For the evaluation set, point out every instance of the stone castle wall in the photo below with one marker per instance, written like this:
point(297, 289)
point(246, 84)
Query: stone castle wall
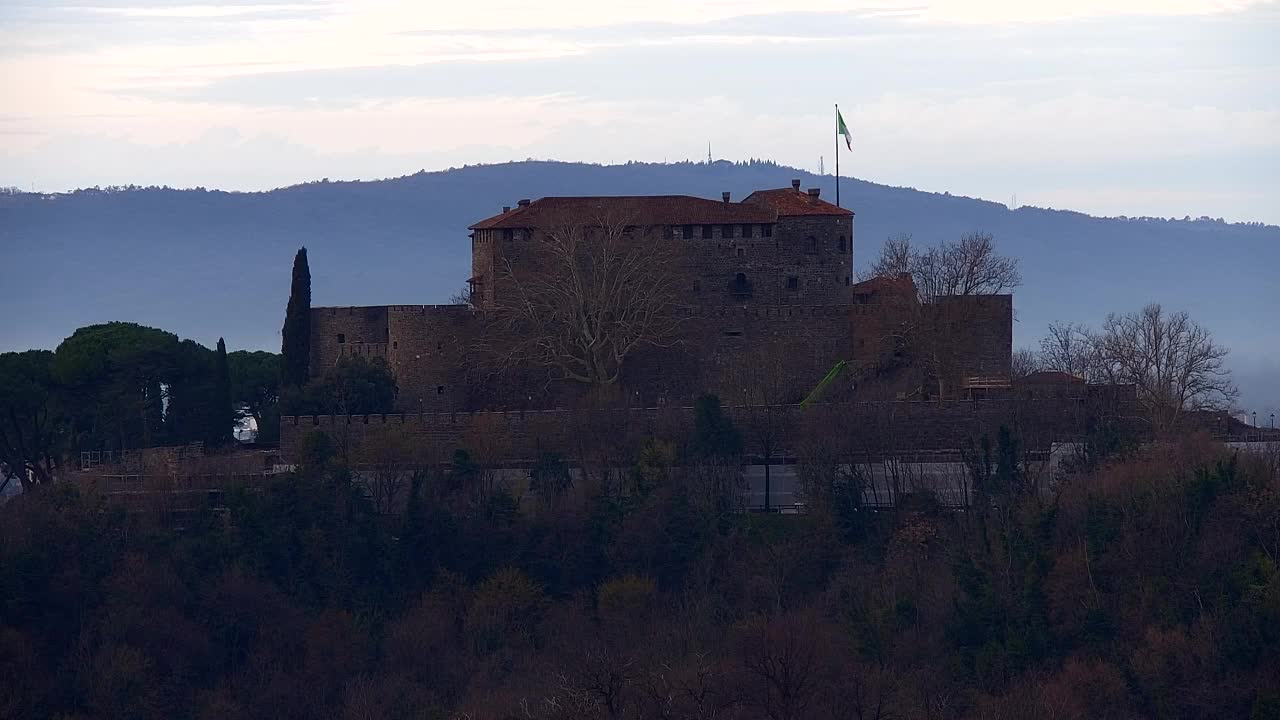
point(338, 331)
point(869, 429)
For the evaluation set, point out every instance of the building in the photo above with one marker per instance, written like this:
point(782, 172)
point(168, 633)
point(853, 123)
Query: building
point(770, 275)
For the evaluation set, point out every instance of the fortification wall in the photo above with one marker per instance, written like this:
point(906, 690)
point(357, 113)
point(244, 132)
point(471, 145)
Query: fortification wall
point(857, 428)
point(428, 354)
point(336, 331)
point(984, 341)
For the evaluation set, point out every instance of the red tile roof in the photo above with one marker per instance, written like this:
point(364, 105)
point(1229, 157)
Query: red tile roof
point(789, 201)
point(631, 209)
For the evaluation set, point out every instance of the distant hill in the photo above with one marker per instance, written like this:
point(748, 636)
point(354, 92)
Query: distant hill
point(210, 263)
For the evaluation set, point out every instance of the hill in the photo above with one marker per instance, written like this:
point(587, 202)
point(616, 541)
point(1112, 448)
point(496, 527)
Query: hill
point(208, 263)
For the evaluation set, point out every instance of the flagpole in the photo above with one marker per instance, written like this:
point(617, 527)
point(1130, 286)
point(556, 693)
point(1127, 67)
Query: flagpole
point(837, 154)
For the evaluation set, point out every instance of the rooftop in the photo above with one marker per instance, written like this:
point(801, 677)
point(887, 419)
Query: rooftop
point(630, 209)
point(794, 201)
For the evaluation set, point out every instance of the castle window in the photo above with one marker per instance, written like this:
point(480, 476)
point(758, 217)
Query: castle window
point(706, 232)
point(341, 338)
point(508, 234)
point(741, 252)
point(686, 232)
point(841, 243)
point(746, 231)
point(733, 333)
point(766, 231)
point(793, 283)
point(811, 245)
point(439, 389)
point(726, 231)
point(395, 344)
point(741, 286)
point(846, 281)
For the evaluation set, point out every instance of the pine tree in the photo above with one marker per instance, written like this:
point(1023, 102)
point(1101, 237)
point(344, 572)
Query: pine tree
point(223, 415)
point(296, 345)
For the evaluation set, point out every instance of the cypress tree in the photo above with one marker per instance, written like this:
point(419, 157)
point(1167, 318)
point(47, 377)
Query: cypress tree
point(223, 415)
point(295, 348)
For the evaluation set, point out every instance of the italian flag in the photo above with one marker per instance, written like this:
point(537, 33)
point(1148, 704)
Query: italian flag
point(842, 129)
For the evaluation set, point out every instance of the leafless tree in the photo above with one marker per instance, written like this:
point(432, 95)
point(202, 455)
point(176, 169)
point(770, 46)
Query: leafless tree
point(1173, 362)
point(1024, 362)
point(1070, 348)
point(968, 267)
point(592, 294)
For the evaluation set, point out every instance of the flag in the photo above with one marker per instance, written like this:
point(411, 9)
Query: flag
point(842, 129)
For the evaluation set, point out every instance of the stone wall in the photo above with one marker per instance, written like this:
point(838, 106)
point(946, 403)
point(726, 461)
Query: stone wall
point(428, 355)
point(984, 336)
point(337, 331)
point(873, 429)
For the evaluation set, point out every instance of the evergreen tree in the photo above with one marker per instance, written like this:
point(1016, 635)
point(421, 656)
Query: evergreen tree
point(223, 414)
point(714, 435)
point(296, 345)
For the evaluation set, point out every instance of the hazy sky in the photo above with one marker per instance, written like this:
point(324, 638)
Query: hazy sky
point(1135, 107)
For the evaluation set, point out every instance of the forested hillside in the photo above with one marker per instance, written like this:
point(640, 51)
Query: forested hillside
point(1144, 587)
point(208, 263)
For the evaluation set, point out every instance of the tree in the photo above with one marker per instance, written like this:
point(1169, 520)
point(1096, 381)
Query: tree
point(1070, 348)
point(118, 378)
point(33, 429)
point(1024, 362)
point(714, 435)
point(765, 384)
point(594, 294)
point(355, 386)
point(223, 416)
point(945, 276)
point(255, 386)
point(191, 406)
point(1173, 362)
point(968, 267)
point(295, 347)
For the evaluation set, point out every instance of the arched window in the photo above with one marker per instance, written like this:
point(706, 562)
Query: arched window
point(811, 245)
point(741, 286)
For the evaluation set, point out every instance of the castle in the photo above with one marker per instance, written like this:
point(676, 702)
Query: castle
point(770, 276)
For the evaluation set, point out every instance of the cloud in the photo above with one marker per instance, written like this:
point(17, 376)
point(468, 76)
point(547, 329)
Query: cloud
point(1171, 108)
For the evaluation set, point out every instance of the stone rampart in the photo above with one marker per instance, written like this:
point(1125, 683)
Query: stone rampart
point(512, 437)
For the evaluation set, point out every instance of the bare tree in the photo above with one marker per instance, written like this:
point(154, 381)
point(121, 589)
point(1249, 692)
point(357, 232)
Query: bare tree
point(1024, 362)
point(968, 267)
point(1070, 348)
point(895, 257)
point(592, 295)
point(1173, 362)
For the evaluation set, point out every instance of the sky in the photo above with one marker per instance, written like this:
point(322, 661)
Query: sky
point(1113, 107)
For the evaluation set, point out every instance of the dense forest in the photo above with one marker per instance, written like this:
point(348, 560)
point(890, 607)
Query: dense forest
point(1145, 585)
point(121, 252)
